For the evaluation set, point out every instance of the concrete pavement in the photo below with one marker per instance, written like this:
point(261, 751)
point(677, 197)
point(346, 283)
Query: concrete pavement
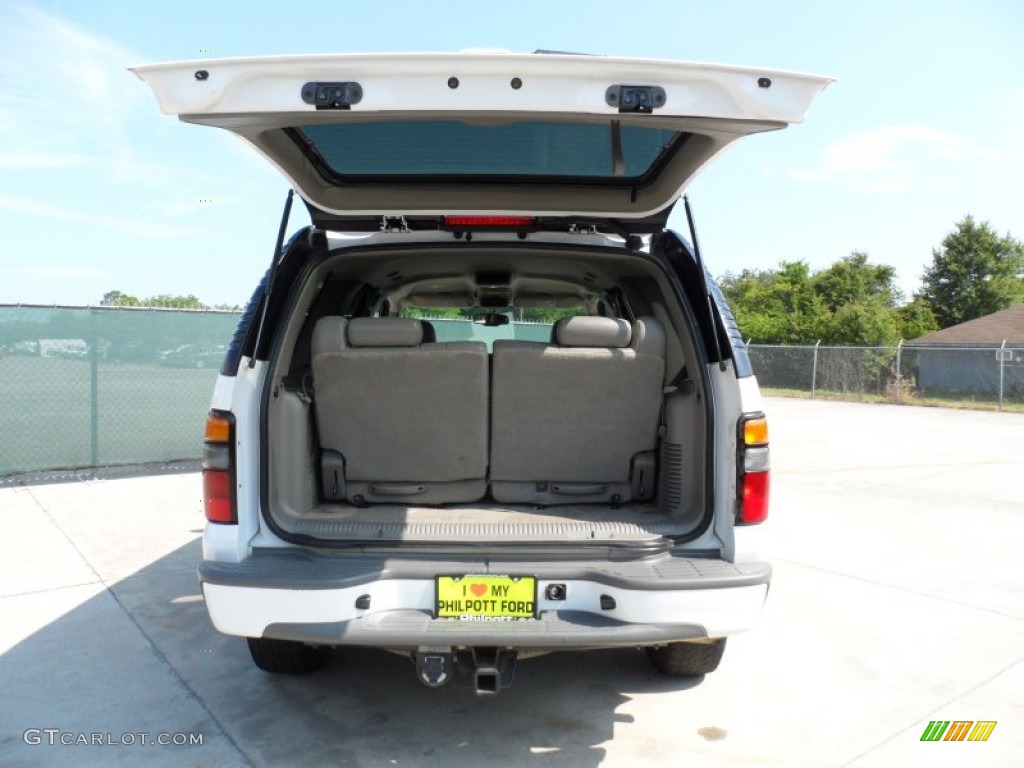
point(897, 599)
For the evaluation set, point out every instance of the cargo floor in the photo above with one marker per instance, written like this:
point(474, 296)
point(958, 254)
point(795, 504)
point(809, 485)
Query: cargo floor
point(479, 522)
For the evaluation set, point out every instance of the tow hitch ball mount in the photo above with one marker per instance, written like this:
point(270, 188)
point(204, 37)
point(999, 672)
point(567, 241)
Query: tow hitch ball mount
point(492, 668)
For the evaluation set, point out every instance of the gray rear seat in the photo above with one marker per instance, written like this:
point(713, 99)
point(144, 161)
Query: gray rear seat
point(399, 420)
point(576, 420)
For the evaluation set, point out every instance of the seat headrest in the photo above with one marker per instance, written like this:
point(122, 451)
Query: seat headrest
point(384, 332)
point(592, 332)
point(648, 337)
point(329, 335)
point(429, 336)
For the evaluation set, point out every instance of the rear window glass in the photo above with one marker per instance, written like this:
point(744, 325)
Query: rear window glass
point(523, 325)
point(452, 148)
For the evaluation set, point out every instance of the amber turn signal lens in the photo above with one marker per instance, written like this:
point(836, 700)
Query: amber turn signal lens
point(218, 429)
point(755, 431)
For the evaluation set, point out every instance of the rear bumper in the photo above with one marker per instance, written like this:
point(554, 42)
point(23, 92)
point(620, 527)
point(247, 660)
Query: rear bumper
point(294, 595)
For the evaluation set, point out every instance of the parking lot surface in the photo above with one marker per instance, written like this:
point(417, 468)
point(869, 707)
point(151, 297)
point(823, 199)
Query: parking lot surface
point(897, 600)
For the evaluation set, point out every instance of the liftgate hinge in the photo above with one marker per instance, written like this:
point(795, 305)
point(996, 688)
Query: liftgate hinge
point(635, 98)
point(332, 95)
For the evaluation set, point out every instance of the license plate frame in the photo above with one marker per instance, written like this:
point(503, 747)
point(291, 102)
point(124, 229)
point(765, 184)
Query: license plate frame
point(473, 597)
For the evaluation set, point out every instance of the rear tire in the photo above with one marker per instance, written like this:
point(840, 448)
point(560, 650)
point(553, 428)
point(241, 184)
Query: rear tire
point(287, 656)
point(687, 659)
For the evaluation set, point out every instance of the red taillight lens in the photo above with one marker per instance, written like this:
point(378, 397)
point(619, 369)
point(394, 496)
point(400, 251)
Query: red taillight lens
point(219, 501)
point(754, 506)
point(752, 470)
point(490, 222)
point(217, 496)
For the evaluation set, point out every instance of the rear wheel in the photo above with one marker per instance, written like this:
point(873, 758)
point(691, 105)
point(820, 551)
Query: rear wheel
point(687, 659)
point(287, 656)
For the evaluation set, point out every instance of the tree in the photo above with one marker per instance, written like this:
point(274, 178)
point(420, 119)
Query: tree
point(776, 306)
point(118, 299)
point(916, 319)
point(862, 300)
point(853, 279)
point(974, 273)
point(174, 302)
point(850, 302)
point(864, 322)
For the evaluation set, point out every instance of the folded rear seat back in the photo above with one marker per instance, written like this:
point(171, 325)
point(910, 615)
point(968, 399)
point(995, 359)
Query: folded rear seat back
point(576, 421)
point(405, 421)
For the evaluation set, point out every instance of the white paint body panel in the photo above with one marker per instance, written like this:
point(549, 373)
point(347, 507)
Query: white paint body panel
point(417, 82)
point(247, 612)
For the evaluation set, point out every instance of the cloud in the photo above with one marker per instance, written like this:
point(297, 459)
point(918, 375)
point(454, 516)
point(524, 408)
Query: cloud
point(112, 223)
point(889, 158)
point(67, 100)
point(60, 78)
point(81, 137)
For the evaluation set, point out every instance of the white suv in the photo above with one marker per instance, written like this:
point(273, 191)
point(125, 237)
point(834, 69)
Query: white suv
point(486, 405)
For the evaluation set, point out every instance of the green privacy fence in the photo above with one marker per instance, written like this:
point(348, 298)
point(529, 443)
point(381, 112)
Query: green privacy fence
point(107, 386)
point(86, 387)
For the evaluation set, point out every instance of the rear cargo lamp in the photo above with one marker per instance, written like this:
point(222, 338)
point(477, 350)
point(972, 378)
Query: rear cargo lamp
point(219, 501)
point(500, 223)
point(752, 467)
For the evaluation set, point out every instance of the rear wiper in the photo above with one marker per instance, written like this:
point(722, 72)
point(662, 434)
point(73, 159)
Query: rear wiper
point(704, 278)
point(271, 273)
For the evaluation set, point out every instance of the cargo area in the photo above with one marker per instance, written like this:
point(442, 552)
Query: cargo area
point(486, 393)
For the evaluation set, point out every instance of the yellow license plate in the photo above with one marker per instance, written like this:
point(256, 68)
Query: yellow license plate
point(486, 598)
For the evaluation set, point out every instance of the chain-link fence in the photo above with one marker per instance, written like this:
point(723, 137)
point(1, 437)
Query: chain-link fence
point(980, 375)
point(87, 387)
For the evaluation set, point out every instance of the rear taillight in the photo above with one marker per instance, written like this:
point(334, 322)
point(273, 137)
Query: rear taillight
point(753, 468)
point(497, 223)
point(219, 500)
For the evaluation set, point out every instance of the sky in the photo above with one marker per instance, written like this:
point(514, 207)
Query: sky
point(100, 191)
